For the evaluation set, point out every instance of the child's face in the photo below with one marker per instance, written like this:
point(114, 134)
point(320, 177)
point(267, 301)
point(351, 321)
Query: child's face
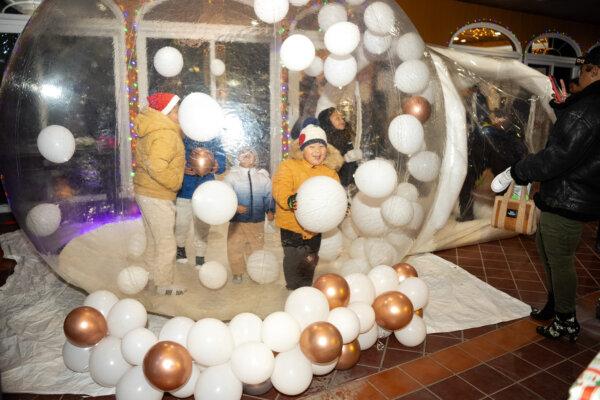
point(174, 114)
point(247, 159)
point(315, 153)
point(337, 120)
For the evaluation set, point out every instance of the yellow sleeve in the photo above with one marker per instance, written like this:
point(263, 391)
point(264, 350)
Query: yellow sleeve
point(283, 185)
point(333, 174)
point(161, 153)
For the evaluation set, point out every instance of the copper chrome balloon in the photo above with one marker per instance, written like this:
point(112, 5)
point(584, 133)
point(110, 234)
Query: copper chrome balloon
point(350, 355)
point(393, 310)
point(202, 161)
point(335, 288)
point(419, 312)
point(321, 342)
point(85, 326)
point(404, 271)
point(167, 365)
point(418, 107)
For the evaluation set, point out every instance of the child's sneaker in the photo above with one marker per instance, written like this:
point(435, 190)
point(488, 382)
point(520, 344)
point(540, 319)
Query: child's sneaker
point(170, 290)
point(181, 256)
point(199, 261)
point(237, 279)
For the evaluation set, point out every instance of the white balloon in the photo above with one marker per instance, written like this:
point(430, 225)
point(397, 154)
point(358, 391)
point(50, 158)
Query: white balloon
point(330, 14)
point(43, 219)
point(307, 304)
point(135, 345)
point(280, 331)
point(201, 118)
point(361, 288)
point(137, 244)
point(325, 368)
point(187, 390)
point(252, 362)
point(355, 265)
point(292, 373)
point(101, 300)
point(366, 215)
point(365, 314)
point(168, 61)
point(322, 204)
point(368, 339)
point(132, 280)
point(349, 229)
point(315, 68)
point(379, 251)
point(134, 386)
point(346, 321)
point(213, 275)
point(376, 178)
point(214, 202)
point(209, 342)
point(271, 11)
point(107, 364)
point(217, 67)
point(401, 241)
point(418, 215)
point(262, 267)
point(176, 330)
point(410, 46)
point(297, 52)
point(56, 143)
point(406, 134)
point(416, 290)
point(397, 211)
point(77, 359)
point(245, 327)
point(218, 383)
point(382, 332)
point(342, 38)
point(412, 76)
point(340, 70)
point(412, 334)
point(299, 3)
point(379, 18)
point(384, 279)
point(331, 245)
point(376, 44)
point(424, 166)
point(408, 191)
point(125, 316)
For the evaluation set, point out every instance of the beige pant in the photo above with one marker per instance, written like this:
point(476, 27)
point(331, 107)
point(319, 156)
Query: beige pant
point(159, 219)
point(183, 224)
point(242, 239)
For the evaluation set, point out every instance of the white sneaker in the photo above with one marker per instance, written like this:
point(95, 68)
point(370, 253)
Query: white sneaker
point(502, 181)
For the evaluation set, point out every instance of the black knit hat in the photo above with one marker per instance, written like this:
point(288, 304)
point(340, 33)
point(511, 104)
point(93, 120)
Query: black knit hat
point(591, 57)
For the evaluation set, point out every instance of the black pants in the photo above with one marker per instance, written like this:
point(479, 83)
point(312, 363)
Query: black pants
point(300, 258)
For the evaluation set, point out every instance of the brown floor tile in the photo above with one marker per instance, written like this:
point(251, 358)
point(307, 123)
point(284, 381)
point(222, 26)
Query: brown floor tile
point(584, 290)
point(589, 336)
point(567, 371)
point(470, 262)
point(358, 390)
point(547, 386)
point(521, 266)
point(455, 388)
point(515, 392)
point(371, 357)
point(512, 292)
point(513, 336)
point(513, 366)
point(426, 370)
point(486, 379)
point(538, 355)
point(474, 332)
point(498, 264)
point(500, 283)
point(584, 258)
point(422, 394)
point(534, 298)
point(21, 396)
point(584, 358)
point(525, 275)
point(564, 348)
point(395, 357)
point(394, 344)
point(393, 383)
point(519, 257)
point(532, 286)
point(498, 273)
point(356, 372)
point(481, 349)
point(435, 343)
point(476, 271)
point(455, 359)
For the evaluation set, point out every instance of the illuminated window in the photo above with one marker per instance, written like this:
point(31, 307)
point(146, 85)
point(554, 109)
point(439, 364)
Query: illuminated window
point(486, 39)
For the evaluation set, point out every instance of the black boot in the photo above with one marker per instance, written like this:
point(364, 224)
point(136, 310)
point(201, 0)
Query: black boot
point(563, 325)
point(199, 261)
point(545, 313)
point(181, 257)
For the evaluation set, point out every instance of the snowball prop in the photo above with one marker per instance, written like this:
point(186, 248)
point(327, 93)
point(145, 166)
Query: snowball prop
point(366, 215)
point(297, 52)
point(132, 280)
point(379, 18)
point(348, 229)
point(298, 3)
point(217, 67)
point(418, 215)
point(245, 327)
point(101, 300)
point(376, 178)
point(424, 166)
point(376, 44)
point(56, 143)
point(77, 359)
point(209, 342)
point(271, 11)
point(410, 46)
point(176, 330)
point(107, 364)
point(125, 316)
point(134, 385)
point(213, 275)
point(331, 245)
point(406, 134)
point(252, 362)
point(136, 343)
point(340, 70)
point(408, 191)
point(412, 76)
point(262, 267)
point(397, 211)
point(280, 331)
point(346, 321)
point(361, 288)
point(401, 242)
point(201, 118)
point(357, 248)
point(379, 252)
point(214, 202)
point(292, 373)
point(315, 68)
point(384, 279)
point(331, 14)
point(218, 383)
point(355, 265)
point(416, 290)
point(43, 219)
point(342, 38)
point(412, 334)
point(307, 305)
point(365, 314)
point(322, 204)
point(168, 62)
point(137, 245)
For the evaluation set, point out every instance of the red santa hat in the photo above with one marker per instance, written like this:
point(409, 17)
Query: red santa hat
point(163, 102)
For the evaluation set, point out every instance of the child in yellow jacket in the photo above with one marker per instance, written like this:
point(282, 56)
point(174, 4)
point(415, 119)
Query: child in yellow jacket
point(300, 247)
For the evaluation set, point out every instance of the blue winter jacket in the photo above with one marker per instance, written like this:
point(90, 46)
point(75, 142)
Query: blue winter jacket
point(191, 182)
point(253, 193)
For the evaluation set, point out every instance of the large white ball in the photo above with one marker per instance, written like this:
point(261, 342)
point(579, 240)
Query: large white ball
point(322, 204)
point(340, 70)
point(297, 52)
point(125, 316)
point(379, 18)
point(214, 202)
point(299, 3)
point(136, 245)
point(368, 339)
point(315, 68)
point(355, 265)
point(213, 275)
point(280, 331)
point(410, 46)
point(176, 330)
point(355, 2)
point(366, 215)
point(132, 280)
point(379, 251)
point(418, 216)
point(168, 61)
point(424, 166)
point(292, 373)
point(408, 191)
point(271, 11)
point(135, 345)
point(262, 267)
point(430, 92)
point(217, 67)
point(376, 44)
point(357, 248)
point(330, 14)
point(342, 38)
point(134, 385)
point(416, 290)
point(376, 178)
point(397, 211)
point(56, 143)
point(252, 362)
point(201, 118)
point(187, 390)
point(401, 242)
point(307, 304)
point(77, 359)
point(325, 368)
point(101, 300)
point(245, 327)
point(43, 219)
point(209, 342)
point(346, 321)
point(349, 229)
point(411, 76)
point(406, 134)
point(412, 334)
point(107, 364)
point(331, 245)
point(384, 279)
point(365, 314)
point(361, 288)
point(218, 383)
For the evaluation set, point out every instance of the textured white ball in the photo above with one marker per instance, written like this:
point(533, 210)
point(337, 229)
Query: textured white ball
point(107, 364)
point(43, 219)
point(213, 275)
point(331, 245)
point(101, 300)
point(271, 11)
point(280, 331)
point(355, 265)
point(424, 166)
point(366, 215)
point(340, 70)
point(315, 68)
point(368, 339)
point(299, 3)
point(176, 330)
point(209, 342)
point(412, 334)
point(56, 143)
point(410, 46)
point(397, 211)
point(201, 118)
point(349, 229)
point(416, 290)
point(401, 242)
point(361, 288)
point(322, 204)
point(330, 14)
point(411, 76)
point(262, 267)
point(346, 321)
point(245, 327)
point(168, 61)
point(125, 316)
point(132, 280)
point(376, 178)
point(379, 18)
point(406, 134)
point(376, 44)
point(384, 278)
point(252, 362)
point(217, 67)
point(418, 215)
point(382, 332)
point(136, 245)
point(77, 359)
point(214, 202)
point(430, 92)
point(297, 52)
point(355, 2)
point(292, 373)
point(136, 343)
point(408, 191)
point(357, 248)
point(307, 304)
point(379, 251)
point(218, 383)
point(342, 38)
point(365, 314)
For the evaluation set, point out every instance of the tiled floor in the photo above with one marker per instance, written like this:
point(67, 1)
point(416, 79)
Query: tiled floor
point(506, 361)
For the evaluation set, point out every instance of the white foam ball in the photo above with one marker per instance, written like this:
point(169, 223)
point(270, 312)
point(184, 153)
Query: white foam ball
point(280, 331)
point(176, 330)
point(331, 245)
point(209, 342)
point(218, 383)
point(262, 267)
point(384, 278)
point(125, 316)
point(245, 327)
point(101, 300)
point(292, 373)
point(401, 242)
point(132, 280)
point(136, 343)
point(410, 46)
point(379, 251)
point(376, 178)
point(214, 202)
point(361, 288)
point(418, 215)
point(349, 229)
point(297, 52)
point(137, 244)
point(416, 290)
point(217, 67)
point(365, 314)
point(397, 211)
point(379, 18)
point(168, 61)
point(330, 14)
point(77, 359)
point(299, 3)
point(187, 390)
point(252, 362)
point(56, 143)
point(357, 248)
point(346, 321)
point(355, 2)
point(429, 92)
point(424, 166)
point(271, 11)
point(408, 191)
point(107, 364)
point(342, 38)
point(340, 70)
point(325, 368)
point(213, 275)
point(376, 44)
point(322, 204)
point(307, 304)
point(406, 134)
point(411, 76)
point(355, 265)
point(382, 332)
point(43, 219)
point(366, 215)
point(315, 68)
point(201, 118)
point(412, 334)
point(368, 339)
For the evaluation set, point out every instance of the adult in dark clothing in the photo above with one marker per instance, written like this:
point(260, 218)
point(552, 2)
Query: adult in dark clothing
point(568, 170)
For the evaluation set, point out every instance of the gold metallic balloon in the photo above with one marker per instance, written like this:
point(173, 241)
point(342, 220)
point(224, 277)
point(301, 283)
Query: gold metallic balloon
point(202, 161)
point(85, 326)
point(404, 271)
point(335, 288)
point(350, 355)
point(321, 342)
point(393, 310)
point(419, 312)
point(417, 106)
point(167, 365)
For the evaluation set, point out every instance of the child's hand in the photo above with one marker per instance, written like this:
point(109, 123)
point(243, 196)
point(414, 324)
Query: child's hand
point(560, 93)
point(270, 215)
point(291, 202)
point(189, 171)
point(215, 167)
point(242, 210)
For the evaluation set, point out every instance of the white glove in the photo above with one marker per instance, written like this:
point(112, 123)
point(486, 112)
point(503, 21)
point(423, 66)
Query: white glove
point(502, 181)
point(353, 155)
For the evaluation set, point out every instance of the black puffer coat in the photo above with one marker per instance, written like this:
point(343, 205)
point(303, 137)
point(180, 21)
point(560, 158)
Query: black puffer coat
point(569, 167)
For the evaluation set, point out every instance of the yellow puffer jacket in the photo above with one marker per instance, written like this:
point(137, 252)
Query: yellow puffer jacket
point(286, 181)
point(159, 155)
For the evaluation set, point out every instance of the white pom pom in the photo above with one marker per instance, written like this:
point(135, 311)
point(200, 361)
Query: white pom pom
point(132, 280)
point(214, 202)
point(340, 70)
point(355, 265)
point(262, 267)
point(217, 67)
point(322, 204)
point(201, 118)
point(349, 229)
point(406, 134)
point(397, 211)
point(366, 215)
point(379, 18)
point(380, 252)
point(410, 46)
point(212, 274)
point(297, 52)
point(418, 215)
point(424, 166)
point(330, 14)
point(43, 219)
point(408, 191)
point(376, 44)
point(331, 245)
point(376, 178)
point(315, 68)
point(56, 143)
point(168, 61)
point(342, 38)
point(412, 76)
point(401, 242)
point(271, 11)
point(137, 244)
point(357, 248)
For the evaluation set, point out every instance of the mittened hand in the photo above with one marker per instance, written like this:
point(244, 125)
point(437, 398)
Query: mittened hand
point(353, 155)
point(291, 202)
point(502, 181)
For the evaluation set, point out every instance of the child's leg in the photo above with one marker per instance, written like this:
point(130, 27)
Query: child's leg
point(294, 253)
point(201, 230)
point(183, 218)
point(252, 239)
point(310, 260)
point(235, 247)
point(148, 255)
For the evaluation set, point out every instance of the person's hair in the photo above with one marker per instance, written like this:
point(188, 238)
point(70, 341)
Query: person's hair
point(330, 130)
